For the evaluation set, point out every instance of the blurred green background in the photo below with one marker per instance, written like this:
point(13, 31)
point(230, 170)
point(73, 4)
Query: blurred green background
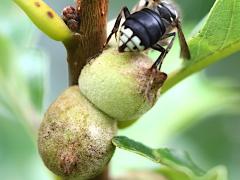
point(200, 115)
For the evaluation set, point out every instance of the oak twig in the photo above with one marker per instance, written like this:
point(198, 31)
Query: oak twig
point(89, 40)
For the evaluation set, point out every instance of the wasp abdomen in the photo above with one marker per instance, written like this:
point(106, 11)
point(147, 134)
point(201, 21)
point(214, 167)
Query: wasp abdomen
point(141, 30)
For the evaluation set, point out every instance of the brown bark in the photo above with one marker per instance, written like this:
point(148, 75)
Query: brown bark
point(91, 37)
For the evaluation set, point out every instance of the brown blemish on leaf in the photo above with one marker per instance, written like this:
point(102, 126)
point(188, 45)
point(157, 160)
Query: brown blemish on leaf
point(50, 14)
point(37, 4)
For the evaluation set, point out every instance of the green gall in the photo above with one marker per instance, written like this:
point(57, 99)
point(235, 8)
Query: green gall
point(75, 138)
point(125, 124)
point(122, 85)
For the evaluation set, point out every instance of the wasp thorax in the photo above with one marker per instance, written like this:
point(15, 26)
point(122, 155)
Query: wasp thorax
point(75, 138)
point(122, 85)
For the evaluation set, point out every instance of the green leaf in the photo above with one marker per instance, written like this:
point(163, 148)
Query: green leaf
point(5, 52)
point(34, 75)
point(46, 19)
point(21, 97)
point(174, 159)
point(172, 174)
point(218, 38)
point(19, 158)
point(21, 68)
point(15, 27)
point(217, 173)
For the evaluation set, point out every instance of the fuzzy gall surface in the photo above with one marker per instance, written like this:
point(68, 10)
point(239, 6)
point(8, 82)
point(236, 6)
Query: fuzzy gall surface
point(75, 138)
point(121, 84)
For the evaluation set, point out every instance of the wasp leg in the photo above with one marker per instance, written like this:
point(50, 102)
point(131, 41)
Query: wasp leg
point(160, 59)
point(126, 13)
point(153, 73)
point(157, 47)
point(165, 36)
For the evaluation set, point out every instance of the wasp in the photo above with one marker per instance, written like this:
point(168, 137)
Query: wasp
point(153, 24)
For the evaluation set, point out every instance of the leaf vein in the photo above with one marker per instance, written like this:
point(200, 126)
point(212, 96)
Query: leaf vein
point(229, 27)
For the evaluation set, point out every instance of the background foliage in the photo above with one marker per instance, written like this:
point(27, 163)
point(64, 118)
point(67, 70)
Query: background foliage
point(200, 115)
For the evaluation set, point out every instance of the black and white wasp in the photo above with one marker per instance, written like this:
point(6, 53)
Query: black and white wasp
point(153, 24)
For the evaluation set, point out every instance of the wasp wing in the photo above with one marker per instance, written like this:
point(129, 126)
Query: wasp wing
point(185, 52)
point(140, 5)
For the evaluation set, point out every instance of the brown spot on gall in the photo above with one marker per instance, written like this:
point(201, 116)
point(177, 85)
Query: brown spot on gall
point(50, 14)
point(37, 4)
